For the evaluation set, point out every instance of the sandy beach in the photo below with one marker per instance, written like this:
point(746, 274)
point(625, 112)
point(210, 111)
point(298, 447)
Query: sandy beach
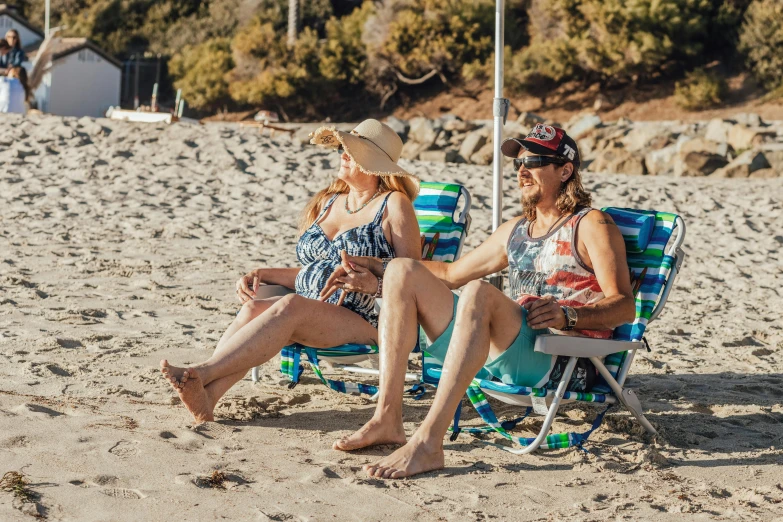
point(120, 244)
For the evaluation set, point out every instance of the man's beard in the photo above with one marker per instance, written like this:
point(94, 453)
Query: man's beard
point(529, 201)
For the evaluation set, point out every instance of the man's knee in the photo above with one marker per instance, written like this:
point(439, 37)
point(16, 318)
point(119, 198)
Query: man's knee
point(478, 293)
point(400, 271)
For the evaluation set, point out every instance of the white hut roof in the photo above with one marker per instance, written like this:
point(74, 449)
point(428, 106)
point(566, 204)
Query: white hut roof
point(11, 12)
point(68, 46)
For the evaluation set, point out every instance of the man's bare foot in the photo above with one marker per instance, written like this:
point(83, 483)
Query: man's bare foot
point(187, 382)
point(413, 458)
point(371, 434)
point(176, 376)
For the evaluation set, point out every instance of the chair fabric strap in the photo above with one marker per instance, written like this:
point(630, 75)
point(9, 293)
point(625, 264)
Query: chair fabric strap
point(553, 441)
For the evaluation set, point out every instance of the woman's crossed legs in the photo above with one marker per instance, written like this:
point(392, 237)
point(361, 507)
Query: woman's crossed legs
point(273, 323)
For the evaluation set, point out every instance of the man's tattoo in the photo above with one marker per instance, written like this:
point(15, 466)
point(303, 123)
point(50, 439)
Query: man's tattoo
point(606, 222)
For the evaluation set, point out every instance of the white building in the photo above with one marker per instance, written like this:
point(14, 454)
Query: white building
point(83, 80)
point(11, 19)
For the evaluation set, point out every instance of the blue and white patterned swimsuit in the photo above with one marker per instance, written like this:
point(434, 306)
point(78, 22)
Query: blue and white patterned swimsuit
point(319, 257)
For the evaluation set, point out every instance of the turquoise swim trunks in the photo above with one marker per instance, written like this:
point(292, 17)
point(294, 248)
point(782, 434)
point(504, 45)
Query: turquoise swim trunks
point(519, 365)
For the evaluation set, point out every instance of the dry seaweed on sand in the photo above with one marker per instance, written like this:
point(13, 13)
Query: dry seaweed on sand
point(215, 481)
point(16, 483)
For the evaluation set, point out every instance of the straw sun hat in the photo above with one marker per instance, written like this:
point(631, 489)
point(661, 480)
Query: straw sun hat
point(374, 147)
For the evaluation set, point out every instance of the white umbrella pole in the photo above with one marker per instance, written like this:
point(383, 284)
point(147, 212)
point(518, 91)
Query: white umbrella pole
point(500, 112)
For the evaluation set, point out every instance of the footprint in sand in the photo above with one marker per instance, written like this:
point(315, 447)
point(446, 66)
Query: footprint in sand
point(124, 449)
point(213, 430)
point(36, 410)
point(131, 494)
point(319, 476)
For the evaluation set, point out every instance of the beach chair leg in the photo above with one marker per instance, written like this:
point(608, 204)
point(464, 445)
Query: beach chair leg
point(626, 396)
point(254, 374)
point(550, 415)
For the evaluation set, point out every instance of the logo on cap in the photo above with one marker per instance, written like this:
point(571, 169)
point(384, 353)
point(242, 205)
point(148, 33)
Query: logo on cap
point(543, 132)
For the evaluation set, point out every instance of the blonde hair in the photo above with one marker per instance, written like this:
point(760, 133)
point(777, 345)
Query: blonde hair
point(338, 186)
point(572, 195)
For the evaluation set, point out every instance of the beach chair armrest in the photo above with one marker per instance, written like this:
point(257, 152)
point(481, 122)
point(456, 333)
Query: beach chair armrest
point(581, 346)
point(265, 291)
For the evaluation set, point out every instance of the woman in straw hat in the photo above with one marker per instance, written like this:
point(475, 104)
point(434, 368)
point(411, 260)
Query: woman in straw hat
point(366, 211)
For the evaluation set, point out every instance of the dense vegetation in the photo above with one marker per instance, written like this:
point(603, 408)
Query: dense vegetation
point(349, 52)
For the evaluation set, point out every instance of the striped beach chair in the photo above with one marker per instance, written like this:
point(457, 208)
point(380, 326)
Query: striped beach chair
point(443, 213)
point(653, 244)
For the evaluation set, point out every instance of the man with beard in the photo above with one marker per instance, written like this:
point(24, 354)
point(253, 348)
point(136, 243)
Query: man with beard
point(567, 275)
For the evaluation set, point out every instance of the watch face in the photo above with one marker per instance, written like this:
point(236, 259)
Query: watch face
point(571, 313)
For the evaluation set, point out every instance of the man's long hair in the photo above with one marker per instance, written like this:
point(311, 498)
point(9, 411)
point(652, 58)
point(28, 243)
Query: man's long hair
point(572, 195)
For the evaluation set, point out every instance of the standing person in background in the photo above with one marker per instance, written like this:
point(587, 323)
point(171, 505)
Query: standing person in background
point(5, 50)
point(15, 56)
point(14, 91)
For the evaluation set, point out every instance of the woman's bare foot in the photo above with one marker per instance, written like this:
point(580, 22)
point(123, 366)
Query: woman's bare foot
point(373, 433)
point(187, 382)
point(413, 458)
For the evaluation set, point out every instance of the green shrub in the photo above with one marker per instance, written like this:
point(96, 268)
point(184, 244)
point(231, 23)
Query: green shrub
point(701, 90)
point(307, 77)
point(343, 54)
point(620, 41)
point(268, 71)
point(761, 40)
point(200, 72)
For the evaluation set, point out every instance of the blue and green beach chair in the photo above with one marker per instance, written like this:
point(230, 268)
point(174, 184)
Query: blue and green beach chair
point(654, 257)
point(443, 213)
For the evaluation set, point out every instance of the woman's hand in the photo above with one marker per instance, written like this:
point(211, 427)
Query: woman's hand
point(247, 285)
point(352, 275)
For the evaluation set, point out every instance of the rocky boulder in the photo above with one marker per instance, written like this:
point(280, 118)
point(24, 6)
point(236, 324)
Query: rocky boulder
point(484, 155)
point(743, 165)
point(439, 156)
point(660, 162)
point(741, 137)
point(582, 125)
point(473, 142)
point(529, 119)
point(774, 154)
point(618, 161)
point(399, 126)
point(424, 131)
point(717, 130)
point(696, 163)
point(411, 150)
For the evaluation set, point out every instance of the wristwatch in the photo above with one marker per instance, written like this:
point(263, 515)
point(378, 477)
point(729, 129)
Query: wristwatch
point(570, 317)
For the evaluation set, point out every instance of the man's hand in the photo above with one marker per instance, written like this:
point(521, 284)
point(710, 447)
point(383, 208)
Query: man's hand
point(545, 313)
point(352, 275)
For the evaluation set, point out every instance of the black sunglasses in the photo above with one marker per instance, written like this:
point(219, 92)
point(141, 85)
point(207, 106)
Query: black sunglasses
point(536, 162)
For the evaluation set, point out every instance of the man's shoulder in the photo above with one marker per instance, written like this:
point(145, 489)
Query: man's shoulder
point(597, 226)
point(595, 217)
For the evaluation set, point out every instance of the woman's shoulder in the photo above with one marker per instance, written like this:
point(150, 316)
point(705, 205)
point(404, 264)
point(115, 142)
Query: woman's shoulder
point(398, 200)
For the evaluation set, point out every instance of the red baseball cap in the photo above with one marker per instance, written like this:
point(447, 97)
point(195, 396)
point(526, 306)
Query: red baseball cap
point(545, 140)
